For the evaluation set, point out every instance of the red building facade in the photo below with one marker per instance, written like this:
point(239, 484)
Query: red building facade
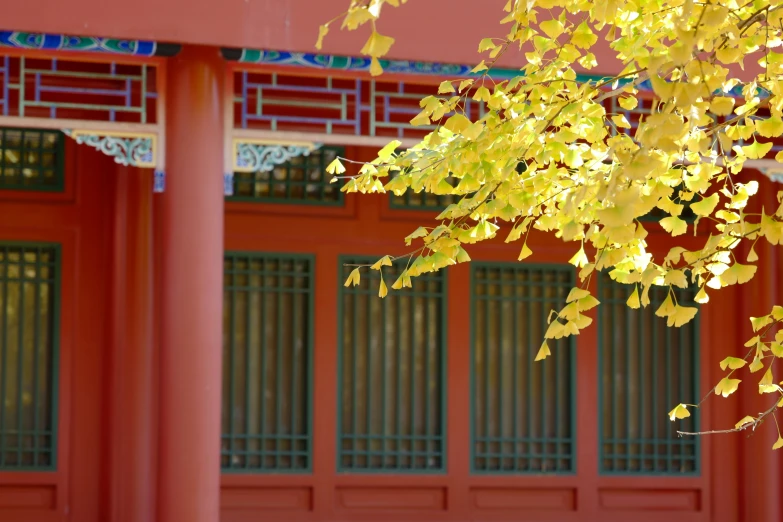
point(177, 344)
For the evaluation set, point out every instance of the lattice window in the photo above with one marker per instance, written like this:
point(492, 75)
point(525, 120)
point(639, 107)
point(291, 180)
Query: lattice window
point(523, 411)
point(422, 201)
point(31, 159)
point(302, 179)
point(391, 376)
point(28, 357)
point(274, 101)
point(267, 347)
point(59, 88)
point(645, 369)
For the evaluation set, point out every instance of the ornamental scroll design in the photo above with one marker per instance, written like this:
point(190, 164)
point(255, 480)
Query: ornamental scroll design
point(773, 173)
point(262, 156)
point(128, 149)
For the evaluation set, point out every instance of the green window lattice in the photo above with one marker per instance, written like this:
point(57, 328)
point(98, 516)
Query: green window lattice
point(29, 276)
point(522, 411)
point(267, 370)
point(302, 179)
point(422, 200)
point(391, 373)
point(411, 200)
point(31, 159)
point(645, 369)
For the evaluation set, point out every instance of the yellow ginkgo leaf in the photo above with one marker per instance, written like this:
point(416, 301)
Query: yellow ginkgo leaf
point(579, 259)
point(666, 308)
point(486, 44)
point(745, 421)
point(756, 150)
point(382, 290)
point(727, 386)
point(767, 378)
point(738, 273)
point(679, 412)
point(681, 315)
point(706, 205)
point(583, 36)
point(576, 293)
point(526, 252)
point(674, 225)
point(633, 299)
point(322, 32)
point(760, 322)
point(732, 363)
point(376, 69)
point(621, 121)
point(778, 443)
point(335, 167)
point(556, 330)
point(353, 278)
point(628, 103)
point(543, 352)
point(384, 261)
point(446, 87)
point(755, 365)
point(552, 28)
point(377, 45)
point(770, 127)
point(722, 106)
point(457, 123)
point(419, 232)
point(587, 302)
point(399, 283)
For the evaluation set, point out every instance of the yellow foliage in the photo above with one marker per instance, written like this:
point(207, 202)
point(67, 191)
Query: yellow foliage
point(556, 152)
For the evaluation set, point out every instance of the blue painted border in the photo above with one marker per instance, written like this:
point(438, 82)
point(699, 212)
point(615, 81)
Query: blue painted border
point(58, 42)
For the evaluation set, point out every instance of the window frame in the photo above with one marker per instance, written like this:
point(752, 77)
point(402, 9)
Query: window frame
point(572, 368)
point(697, 365)
point(59, 166)
point(443, 469)
point(309, 359)
point(54, 394)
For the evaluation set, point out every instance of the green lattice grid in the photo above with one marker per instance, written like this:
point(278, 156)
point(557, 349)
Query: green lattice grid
point(422, 200)
point(267, 362)
point(411, 200)
point(302, 179)
point(522, 411)
point(31, 159)
point(29, 310)
point(399, 359)
point(645, 369)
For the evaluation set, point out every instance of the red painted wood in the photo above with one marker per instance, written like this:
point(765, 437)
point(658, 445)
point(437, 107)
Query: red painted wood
point(375, 229)
point(78, 220)
point(132, 473)
point(760, 470)
point(192, 225)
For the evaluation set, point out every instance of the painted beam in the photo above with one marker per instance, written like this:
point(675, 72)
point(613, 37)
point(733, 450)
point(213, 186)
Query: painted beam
point(59, 42)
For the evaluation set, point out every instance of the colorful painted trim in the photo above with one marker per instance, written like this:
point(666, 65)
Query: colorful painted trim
point(57, 42)
point(360, 64)
point(353, 63)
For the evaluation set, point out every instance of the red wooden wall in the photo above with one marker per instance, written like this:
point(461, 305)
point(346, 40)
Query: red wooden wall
point(367, 226)
point(79, 219)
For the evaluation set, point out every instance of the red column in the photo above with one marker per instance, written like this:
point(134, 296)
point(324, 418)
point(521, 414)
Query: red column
point(192, 291)
point(761, 466)
point(132, 482)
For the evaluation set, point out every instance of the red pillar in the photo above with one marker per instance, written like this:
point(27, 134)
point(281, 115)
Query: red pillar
point(132, 483)
point(192, 289)
point(761, 466)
